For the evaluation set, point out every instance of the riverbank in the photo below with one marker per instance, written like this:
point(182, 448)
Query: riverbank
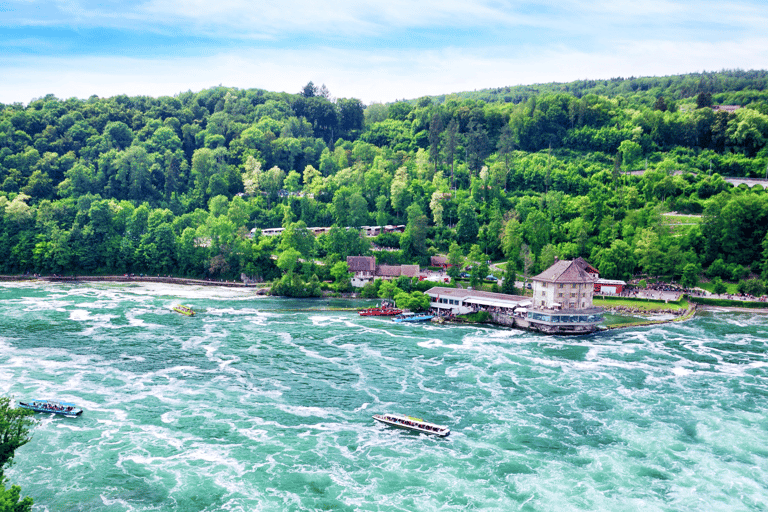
point(682, 309)
point(138, 279)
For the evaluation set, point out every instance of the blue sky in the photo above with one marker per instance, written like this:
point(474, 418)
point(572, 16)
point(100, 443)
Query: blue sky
point(375, 50)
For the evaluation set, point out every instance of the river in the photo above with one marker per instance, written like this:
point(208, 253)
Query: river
point(265, 404)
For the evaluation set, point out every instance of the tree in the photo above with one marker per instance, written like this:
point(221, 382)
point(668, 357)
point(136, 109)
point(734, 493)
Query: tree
point(15, 424)
point(467, 229)
point(451, 135)
point(288, 260)
point(690, 277)
point(309, 90)
point(510, 275)
point(704, 100)
point(435, 133)
point(547, 257)
point(415, 301)
point(296, 236)
point(455, 259)
point(388, 290)
point(414, 240)
point(399, 191)
point(648, 252)
point(616, 262)
point(630, 151)
point(9, 500)
point(718, 287)
point(342, 275)
point(505, 146)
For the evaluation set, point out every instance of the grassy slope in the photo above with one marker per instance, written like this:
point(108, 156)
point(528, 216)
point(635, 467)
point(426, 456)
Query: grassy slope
point(641, 304)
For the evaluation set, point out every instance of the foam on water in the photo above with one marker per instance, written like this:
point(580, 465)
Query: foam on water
point(257, 406)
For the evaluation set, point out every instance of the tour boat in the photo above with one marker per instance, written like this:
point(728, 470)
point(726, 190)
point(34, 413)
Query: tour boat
point(413, 317)
point(386, 309)
point(184, 310)
point(410, 423)
point(53, 406)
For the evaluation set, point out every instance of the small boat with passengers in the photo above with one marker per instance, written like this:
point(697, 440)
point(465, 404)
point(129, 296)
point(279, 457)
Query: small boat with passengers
point(411, 423)
point(386, 309)
point(413, 317)
point(52, 406)
point(184, 310)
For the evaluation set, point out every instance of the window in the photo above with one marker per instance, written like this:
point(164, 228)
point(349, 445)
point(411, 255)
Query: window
point(573, 285)
point(561, 285)
point(559, 294)
point(573, 294)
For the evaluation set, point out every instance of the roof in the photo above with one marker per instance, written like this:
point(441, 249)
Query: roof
point(361, 263)
point(409, 270)
point(726, 108)
point(438, 260)
point(388, 270)
point(462, 293)
point(610, 281)
point(583, 265)
point(565, 271)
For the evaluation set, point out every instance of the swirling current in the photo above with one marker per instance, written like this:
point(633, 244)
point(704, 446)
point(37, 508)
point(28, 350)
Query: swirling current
point(265, 404)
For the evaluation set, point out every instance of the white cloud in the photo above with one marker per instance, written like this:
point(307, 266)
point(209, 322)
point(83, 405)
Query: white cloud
point(368, 75)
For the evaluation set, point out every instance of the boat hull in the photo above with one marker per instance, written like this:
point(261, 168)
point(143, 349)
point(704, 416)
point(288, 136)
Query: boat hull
point(414, 319)
point(184, 310)
point(58, 408)
point(380, 312)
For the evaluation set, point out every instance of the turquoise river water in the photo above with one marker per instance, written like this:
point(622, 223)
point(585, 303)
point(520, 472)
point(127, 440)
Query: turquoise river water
point(265, 404)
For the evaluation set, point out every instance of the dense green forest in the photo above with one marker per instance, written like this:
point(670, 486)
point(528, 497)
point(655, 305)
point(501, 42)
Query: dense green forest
point(174, 185)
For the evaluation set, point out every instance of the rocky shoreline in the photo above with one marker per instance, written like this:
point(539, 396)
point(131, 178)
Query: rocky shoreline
point(641, 311)
point(135, 279)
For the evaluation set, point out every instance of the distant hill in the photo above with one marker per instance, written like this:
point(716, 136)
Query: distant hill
point(725, 87)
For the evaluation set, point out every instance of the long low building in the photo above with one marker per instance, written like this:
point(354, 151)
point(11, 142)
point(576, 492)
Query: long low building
point(459, 301)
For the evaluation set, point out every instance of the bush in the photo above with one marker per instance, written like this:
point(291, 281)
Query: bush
point(754, 287)
point(718, 287)
point(292, 285)
point(738, 272)
point(728, 303)
point(369, 291)
point(479, 317)
point(718, 268)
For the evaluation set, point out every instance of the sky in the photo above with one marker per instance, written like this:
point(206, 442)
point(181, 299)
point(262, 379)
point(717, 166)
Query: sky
point(376, 51)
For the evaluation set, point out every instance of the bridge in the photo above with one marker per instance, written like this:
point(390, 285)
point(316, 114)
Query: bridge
point(750, 182)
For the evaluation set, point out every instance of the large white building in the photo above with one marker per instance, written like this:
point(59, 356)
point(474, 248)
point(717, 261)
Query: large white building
point(564, 285)
point(562, 299)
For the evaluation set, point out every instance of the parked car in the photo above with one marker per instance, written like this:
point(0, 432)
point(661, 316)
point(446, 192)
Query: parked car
point(491, 277)
point(464, 275)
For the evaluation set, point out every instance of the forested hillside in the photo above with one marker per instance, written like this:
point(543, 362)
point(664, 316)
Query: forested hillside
point(174, 185)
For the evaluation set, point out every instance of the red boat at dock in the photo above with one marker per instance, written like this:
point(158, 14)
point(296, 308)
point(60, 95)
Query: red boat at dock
point(386, 309)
